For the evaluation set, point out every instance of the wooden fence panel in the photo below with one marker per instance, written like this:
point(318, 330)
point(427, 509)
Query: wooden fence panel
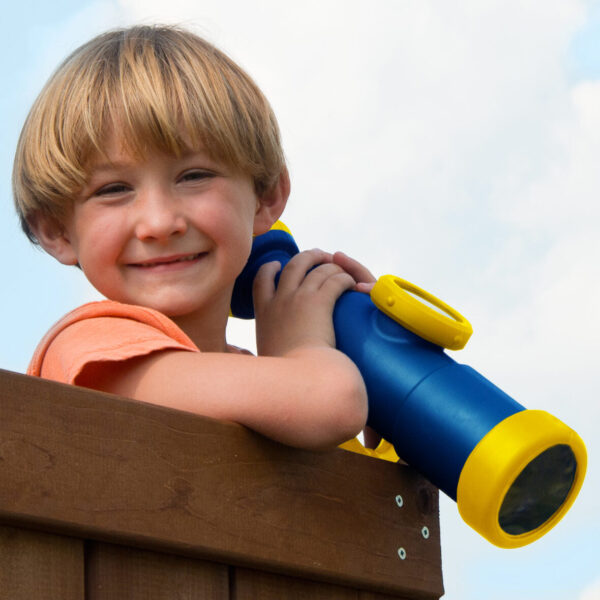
point(250, 585)
point(36, 565)
point(253, 585)
point(95, 466)
point(119, 573)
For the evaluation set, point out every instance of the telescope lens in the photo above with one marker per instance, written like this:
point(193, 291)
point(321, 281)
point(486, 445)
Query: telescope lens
point(539, 490)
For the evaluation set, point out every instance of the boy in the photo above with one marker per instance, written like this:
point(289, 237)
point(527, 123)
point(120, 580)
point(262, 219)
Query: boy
point(150, 160)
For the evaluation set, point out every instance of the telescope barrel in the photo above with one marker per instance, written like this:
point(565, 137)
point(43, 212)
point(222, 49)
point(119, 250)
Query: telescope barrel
point(513, 472)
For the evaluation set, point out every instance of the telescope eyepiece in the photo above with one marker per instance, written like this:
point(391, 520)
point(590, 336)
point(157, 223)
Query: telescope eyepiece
point(539, 491)
point(521, 478)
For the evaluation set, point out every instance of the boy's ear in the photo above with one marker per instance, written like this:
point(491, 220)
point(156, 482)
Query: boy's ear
point(52, 237)
point(271, 204)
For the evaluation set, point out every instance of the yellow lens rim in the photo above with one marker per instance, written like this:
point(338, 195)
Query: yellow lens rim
point(395, 297)
point(499, 458)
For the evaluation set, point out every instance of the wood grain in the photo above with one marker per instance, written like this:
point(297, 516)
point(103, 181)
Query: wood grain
point(250, 585)
point(121, 573)
point(97, 466)
point(36, 565)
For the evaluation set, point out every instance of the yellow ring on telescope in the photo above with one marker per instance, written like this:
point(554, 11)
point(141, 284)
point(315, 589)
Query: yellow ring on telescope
point(280, 226)
point(384, 451)
point(395, 297)
point(499, 458)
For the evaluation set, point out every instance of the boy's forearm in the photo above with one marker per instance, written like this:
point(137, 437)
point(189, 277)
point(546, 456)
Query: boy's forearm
point(312, 398)
point(340, 388)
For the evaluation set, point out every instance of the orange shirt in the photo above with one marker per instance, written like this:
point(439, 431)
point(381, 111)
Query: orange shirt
point(104, 331)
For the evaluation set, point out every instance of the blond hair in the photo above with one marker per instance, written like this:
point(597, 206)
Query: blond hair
point(167, 89)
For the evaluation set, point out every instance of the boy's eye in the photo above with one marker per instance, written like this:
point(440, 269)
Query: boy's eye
point(111, 189)
point(196, 175)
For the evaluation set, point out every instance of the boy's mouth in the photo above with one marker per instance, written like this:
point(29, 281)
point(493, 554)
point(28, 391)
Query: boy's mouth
point(168, 260)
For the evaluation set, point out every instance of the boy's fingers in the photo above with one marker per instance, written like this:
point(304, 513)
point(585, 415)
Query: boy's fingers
point(263, 287)
point(329, 275)
point(364, 287)
point(337, 283)
point(295, 271)
point(360, 273)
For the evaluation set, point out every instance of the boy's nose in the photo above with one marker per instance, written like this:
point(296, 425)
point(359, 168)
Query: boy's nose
point(159, 217)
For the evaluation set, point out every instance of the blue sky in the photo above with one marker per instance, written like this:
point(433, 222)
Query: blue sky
point(455, 145)
point(584, 50)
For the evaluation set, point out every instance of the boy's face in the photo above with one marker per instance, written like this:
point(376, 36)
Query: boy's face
point(164, 232)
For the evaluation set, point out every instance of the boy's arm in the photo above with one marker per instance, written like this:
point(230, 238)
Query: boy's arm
point(310, 398)
point(300, 390)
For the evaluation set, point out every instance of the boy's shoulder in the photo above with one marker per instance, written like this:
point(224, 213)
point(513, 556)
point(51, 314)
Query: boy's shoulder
point(103, 331)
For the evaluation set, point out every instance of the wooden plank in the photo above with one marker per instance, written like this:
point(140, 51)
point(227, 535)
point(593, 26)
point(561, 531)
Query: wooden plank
point(374, 596)
point(114, 572)
point(35, 565)
point(99, 466)
point(250, 585)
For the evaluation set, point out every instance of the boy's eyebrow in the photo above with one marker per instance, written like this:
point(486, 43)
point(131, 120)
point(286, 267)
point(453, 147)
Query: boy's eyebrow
point(122, 163)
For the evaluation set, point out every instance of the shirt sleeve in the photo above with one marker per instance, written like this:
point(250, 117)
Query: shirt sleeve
point(102, 339)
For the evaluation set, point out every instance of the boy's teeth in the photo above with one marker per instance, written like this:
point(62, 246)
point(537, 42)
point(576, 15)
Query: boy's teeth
point(186, 258)
point(168, 262)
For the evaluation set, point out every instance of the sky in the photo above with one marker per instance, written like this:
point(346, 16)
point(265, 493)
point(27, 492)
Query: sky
point(453, 144)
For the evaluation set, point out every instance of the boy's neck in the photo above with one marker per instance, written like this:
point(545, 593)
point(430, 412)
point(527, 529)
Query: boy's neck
point(206, 329)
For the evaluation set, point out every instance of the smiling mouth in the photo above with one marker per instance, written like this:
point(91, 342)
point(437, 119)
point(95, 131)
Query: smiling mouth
point(163, 262)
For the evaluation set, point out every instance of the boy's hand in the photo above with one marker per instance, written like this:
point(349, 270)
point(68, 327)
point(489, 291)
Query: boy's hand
point(365, 280)
point(298, 311)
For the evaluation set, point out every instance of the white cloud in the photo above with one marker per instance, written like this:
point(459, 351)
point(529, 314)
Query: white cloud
point(591, 592)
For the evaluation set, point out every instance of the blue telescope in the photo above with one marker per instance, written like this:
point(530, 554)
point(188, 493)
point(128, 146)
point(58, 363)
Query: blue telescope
point(513, 472)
